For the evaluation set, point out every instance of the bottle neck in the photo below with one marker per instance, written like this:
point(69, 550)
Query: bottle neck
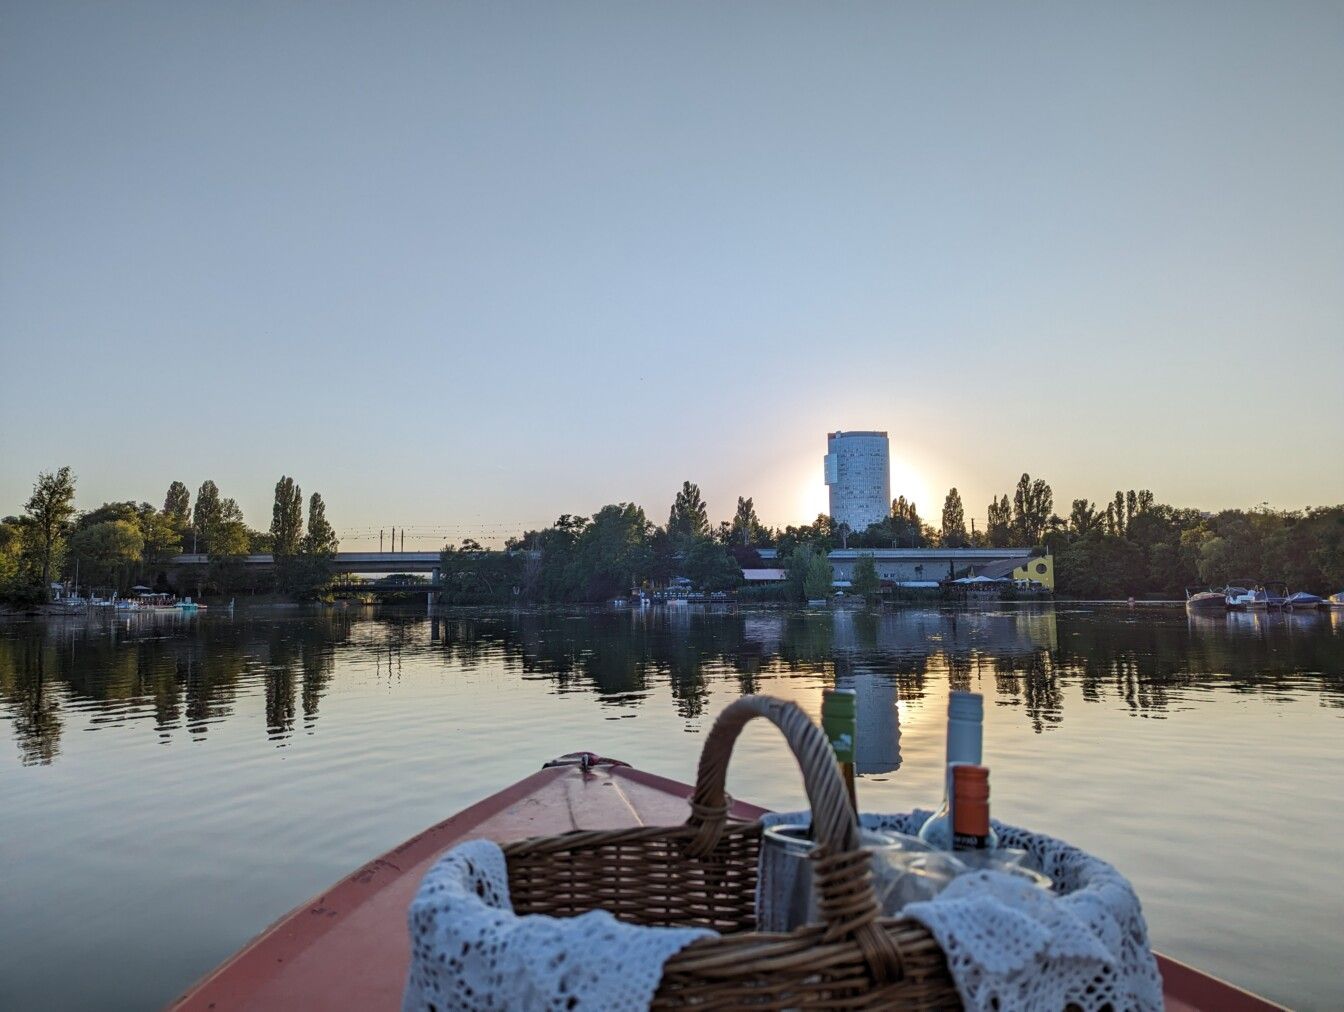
point(970, 808)
point(965, 741)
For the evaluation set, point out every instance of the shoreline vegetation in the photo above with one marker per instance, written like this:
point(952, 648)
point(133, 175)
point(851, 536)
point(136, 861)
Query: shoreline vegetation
point(1133, 547)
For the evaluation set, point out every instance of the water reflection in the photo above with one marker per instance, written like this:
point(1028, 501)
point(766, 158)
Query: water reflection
point(187, 674)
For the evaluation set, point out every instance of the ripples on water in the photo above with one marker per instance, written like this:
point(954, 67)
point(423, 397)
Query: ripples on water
point(175, 784)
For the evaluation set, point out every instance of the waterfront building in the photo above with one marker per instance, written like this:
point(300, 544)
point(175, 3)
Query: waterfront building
point(927, 567)
point(857, 468)
point(1039, 569)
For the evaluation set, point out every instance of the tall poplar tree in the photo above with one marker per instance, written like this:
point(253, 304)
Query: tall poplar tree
point(746, 525)
point(1033, 504)
point(689, 517)
point(286, 519)
point(999, 522)
point(1083, 518)
point(177, 506)
point(907, 529)
point(321, 538)
point(206, 515)
point(954, 521)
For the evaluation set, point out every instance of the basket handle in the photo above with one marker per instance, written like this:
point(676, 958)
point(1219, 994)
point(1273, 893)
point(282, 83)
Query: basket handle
point(842, 875)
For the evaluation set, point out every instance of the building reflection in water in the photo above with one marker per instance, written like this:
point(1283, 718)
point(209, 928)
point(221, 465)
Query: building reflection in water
point(189, 675)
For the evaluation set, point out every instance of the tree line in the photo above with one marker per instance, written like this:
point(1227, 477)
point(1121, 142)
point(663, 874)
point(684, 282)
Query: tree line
point(121, 544)
point(1131, 546)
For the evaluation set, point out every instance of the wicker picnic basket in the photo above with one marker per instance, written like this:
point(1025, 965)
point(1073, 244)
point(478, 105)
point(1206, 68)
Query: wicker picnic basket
point(703, 873)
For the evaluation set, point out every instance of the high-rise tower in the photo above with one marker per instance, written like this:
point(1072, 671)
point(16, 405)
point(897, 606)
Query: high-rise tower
point(858, 471)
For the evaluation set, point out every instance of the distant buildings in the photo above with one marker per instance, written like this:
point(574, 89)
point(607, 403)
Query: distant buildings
point(1039, 569)
point(923, 567)
point(857, 467)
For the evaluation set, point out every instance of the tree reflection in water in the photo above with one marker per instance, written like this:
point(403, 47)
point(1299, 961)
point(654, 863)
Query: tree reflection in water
point(189, 673)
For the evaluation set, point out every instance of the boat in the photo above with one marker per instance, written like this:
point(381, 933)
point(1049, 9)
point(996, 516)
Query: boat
point(349, 948)
point(1268, 596)
point(1276, 594)
point(1240, 594)
point(1205, 600)
point(1303, 601)
point(1336, 600)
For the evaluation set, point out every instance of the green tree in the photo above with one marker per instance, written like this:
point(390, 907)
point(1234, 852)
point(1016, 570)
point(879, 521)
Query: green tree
point(50, 509)
point(177, 506)
point(998, 529)
point(107, 551)
point(286, 519)
point(613, 553)
point(12, 531)
point(160, 534)
point(746, 527)
point(1083, 518)
point(796, 563)
point(1033, 504)
point(907, 529)
point(1115, 516)
point(865, 581)
point(321, 538)
point(818, 579)
point(309, 573)
point(953, 534)
point(688, 517)
point(286, 538)
point(206, 515)
point(710, 566)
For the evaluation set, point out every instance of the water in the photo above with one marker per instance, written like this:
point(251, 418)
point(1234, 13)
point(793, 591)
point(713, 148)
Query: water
point(169, 787)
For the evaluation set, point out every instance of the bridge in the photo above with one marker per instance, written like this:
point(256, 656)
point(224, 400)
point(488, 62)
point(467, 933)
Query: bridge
point(343, 562)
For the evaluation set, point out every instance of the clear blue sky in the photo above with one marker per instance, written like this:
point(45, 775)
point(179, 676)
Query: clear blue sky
point(476, 266)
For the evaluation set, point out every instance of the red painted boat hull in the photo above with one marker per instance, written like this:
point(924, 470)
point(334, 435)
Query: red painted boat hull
point(348, 948)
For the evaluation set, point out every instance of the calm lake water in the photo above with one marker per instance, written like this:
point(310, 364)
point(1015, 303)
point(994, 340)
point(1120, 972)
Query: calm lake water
point(168, 788)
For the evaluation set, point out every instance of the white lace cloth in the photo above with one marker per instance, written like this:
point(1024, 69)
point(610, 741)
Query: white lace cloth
point(469, 950)
point(1011, 946)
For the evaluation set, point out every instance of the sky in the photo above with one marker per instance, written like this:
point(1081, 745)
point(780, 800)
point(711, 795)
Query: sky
point(463, 268)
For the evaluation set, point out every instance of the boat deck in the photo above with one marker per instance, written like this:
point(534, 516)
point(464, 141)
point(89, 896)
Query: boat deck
point(349, 948)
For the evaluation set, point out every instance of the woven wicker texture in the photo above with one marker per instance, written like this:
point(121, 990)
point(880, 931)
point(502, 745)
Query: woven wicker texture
point(703, 873)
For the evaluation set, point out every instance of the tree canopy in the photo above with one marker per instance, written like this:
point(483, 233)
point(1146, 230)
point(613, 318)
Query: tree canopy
point(865, 581)
point(286, 519)
point(953, 534)
point(689, 517)
point(177, 505)
point(50, 509)
point(746, 527)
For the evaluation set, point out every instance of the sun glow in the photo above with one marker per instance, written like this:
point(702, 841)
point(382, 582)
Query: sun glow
point(907, 481)
point(811, 496)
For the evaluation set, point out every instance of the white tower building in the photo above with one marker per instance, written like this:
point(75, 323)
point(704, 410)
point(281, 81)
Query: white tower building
point(858, 471)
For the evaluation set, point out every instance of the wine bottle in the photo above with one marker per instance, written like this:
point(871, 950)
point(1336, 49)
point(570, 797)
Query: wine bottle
point(965, 739)
point(839, 719)
point(970, 809)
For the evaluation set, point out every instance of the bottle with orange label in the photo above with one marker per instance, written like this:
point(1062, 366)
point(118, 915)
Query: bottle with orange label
point(970, 809)
point(965, 729)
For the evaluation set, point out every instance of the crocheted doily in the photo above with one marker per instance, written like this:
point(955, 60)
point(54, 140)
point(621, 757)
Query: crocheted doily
point(1010, 945)
point(469, 950)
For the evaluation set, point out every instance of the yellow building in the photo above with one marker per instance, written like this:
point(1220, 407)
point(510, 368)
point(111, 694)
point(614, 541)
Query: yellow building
point(1039, 569)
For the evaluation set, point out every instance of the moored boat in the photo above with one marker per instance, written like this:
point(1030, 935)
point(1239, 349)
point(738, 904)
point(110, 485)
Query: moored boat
point(1205, 600)
point(1336, 600)
point(1302, 601)
point(349, 947)
point(1239, 594)
point(1276, 594)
